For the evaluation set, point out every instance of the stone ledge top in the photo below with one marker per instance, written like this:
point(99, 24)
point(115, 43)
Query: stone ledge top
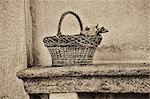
point(124, 69)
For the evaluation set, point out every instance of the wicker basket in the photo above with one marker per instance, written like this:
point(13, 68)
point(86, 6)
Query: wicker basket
point(71, 49)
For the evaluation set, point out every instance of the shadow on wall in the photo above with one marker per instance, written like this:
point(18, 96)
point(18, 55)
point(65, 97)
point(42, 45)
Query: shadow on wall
point(113, 96)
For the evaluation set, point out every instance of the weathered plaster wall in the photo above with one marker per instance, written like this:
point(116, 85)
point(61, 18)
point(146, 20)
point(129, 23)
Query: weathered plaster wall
point(12, 48)
point(127, 21)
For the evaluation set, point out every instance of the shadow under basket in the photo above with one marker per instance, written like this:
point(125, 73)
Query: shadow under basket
point(71, 55)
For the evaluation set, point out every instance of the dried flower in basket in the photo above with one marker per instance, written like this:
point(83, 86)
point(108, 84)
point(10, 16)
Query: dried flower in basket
point(93, 30)
point(76, 49)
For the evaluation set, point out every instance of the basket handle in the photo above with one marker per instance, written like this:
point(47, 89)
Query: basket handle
point(62, 17)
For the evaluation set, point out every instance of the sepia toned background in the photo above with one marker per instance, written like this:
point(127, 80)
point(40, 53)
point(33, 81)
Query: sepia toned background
point(127, 21)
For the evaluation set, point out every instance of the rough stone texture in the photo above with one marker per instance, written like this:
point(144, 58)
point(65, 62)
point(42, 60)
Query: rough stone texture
point(90, 70)
point(12, 48)
point(110, 78)
point(89, 84)
point(126, 20)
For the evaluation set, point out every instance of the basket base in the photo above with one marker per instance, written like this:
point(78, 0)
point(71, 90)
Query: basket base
point(56, 63)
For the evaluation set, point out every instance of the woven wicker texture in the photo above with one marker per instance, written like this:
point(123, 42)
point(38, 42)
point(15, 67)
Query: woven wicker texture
point(73, 49)
point(75, 40)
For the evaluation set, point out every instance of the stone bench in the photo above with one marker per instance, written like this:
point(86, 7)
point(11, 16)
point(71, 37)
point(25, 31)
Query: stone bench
point(99, 78)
